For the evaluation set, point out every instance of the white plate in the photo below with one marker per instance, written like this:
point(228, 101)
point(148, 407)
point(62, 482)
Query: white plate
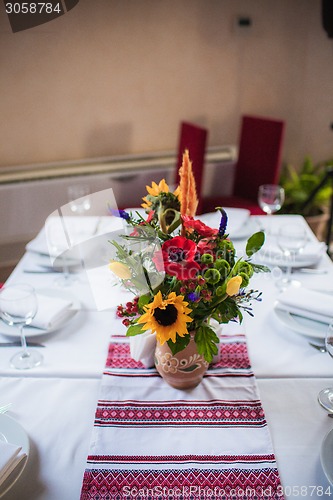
point(270, 255)
point(280, 261)
point(304, 326)
point(237, 221)
point(326, 456)
point(31, 331)
point(249, 227)
point(12, 432)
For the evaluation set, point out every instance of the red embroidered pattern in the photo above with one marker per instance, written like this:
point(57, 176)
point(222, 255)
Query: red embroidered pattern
point(180, 413)
point(119, 357)
point(233, 355)
point(192, 484)
point(181, 459)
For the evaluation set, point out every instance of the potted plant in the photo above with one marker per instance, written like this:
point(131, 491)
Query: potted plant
point(299, 184)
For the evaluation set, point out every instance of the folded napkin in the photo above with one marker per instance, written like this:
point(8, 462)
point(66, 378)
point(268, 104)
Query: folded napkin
point(52, 311)
point(307, 303)
point(311, 252)
point(142, 348)
point(10, 456)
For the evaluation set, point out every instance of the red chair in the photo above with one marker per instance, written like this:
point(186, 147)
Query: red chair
point(259, 162)
point(193, 138)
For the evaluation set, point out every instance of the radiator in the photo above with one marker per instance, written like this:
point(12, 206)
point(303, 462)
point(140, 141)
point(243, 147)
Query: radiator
point(28, 194)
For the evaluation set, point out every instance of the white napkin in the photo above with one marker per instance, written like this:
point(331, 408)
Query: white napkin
point(142, 348)
point(10, 457)
point(51, 312)
point(307, 303)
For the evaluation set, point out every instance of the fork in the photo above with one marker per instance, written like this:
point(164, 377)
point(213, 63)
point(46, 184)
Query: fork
point(319, 347)
point(5, 408)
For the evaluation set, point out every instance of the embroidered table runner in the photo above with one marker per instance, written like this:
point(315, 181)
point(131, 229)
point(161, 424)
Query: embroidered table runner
point(153, 441)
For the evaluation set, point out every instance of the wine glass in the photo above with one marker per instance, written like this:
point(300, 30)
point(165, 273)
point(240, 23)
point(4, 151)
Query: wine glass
point(291, 240)
point(79, 204)
point(58, 244)
point(18, 307)
point(270, 198)
point(325, 397)
point(79, 198)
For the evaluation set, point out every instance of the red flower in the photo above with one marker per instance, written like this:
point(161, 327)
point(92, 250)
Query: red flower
point(178, 258)
point(207, 245)
point(199, 226)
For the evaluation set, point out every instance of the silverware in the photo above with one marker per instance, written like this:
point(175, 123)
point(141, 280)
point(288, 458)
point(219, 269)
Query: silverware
point(35, 271)
point(309, 270)
point(319, 347)
point(17, 343)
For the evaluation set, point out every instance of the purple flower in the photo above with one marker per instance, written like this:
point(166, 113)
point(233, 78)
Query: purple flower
point(120, 213)
point(224, 221)
point(193, 297)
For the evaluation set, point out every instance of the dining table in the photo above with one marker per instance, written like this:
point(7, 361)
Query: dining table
point(58, 404)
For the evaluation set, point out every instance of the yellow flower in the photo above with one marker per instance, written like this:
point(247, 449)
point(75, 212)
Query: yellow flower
point(156, 189)
point(121, 270)
point(166, 317)
point(233, 285)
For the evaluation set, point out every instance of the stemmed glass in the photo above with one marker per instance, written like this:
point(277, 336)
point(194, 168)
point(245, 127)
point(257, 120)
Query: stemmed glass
point(18, 307)
point(325, 397)
point(270, 198)
point(79, 203)
point(57, 241)
point(291, 239)
point(79, 198)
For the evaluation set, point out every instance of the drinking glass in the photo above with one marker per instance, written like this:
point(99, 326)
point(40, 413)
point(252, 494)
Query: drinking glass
point(291, 240)
point(270, 198)
point(18, 307)
point(80, 204)
point(58, 244)
point(325, 397)
point(79, 198)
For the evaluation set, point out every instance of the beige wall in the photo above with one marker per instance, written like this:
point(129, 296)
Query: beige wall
point(117, 76)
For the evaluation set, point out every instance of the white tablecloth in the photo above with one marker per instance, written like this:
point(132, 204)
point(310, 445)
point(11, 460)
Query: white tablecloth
point(55, 403)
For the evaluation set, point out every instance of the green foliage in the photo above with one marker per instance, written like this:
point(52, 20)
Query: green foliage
point(206, 340)
point(298, 185)
point(180, 344)
point(134, 329)
point(254, 243)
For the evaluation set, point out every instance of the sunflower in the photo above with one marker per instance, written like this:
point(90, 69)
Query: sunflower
point(166, 317)
point(155, 190)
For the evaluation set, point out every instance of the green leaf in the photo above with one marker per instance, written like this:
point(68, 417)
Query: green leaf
point(134, 330)
point(254, 243)
point(143, 301)
point(180, 344)
point(258, 268)
point(228, 310)
point(206, 340)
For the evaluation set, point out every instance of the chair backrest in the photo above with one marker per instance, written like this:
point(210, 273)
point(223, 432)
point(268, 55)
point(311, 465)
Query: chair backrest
point(193, 138)
point(259, 155)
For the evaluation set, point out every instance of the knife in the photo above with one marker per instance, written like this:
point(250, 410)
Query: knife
point(17, 343)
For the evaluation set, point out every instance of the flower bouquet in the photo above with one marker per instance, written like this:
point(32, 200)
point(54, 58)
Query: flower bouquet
point(183, 273)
